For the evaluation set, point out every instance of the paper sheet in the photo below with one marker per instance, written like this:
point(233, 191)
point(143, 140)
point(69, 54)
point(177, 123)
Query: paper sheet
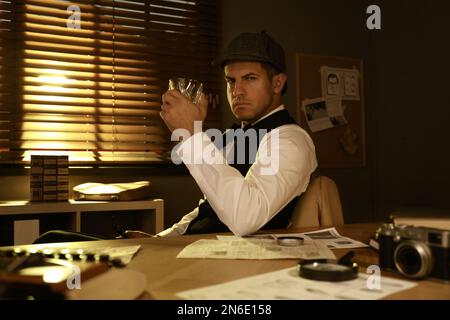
point(255, 249)
point(285, 284)
point(329, 236)
point(324, 113)
point(340, 82)
point(333, 239)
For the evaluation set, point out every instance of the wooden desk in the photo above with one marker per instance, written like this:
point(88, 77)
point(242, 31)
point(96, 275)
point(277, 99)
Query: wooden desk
point(167, 275)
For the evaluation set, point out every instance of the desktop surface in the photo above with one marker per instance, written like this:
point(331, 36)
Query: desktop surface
point(167, 275)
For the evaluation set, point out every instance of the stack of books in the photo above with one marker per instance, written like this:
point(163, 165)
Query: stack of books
point(49, 178)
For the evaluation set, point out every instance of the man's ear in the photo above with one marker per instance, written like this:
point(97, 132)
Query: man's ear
point(278, 82)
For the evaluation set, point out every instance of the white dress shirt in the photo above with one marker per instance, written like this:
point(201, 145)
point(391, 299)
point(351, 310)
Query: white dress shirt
point(284, 162)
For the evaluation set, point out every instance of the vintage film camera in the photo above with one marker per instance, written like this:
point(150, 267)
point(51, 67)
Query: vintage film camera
point(416, 252)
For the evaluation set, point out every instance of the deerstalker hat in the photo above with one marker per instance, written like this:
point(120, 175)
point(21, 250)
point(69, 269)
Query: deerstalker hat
point(255, 47)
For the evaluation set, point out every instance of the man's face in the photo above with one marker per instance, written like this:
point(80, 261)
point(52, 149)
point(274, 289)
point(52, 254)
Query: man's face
point(250, 92)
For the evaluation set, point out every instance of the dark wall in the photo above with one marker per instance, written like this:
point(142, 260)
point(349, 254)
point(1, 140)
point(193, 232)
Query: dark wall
point(412, 106)
point(406, 65)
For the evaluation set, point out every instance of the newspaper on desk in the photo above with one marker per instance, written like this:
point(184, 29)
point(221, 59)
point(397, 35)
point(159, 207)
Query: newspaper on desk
point(255, 248)
point(332, 238)
point(329, 236)
point(264, 246)
point(286, 284)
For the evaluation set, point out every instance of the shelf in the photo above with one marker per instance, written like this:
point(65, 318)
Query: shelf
point(75, 215)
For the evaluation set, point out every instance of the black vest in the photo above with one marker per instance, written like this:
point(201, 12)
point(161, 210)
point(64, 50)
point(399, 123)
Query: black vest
point(207, 220)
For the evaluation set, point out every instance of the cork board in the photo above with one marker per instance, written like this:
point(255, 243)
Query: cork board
point(330, 106)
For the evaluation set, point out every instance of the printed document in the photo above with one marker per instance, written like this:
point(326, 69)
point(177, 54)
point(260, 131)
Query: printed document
point(254, 248)
point(333, 239)
point(329, 236)
point(286, 284)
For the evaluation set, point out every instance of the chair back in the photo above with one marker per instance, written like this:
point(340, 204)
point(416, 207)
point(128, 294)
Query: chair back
point(319, 205)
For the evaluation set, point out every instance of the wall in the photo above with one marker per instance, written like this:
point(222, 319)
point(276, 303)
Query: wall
point(412, 108)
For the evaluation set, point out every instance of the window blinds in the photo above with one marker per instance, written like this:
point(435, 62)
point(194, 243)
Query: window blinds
point(85, 78)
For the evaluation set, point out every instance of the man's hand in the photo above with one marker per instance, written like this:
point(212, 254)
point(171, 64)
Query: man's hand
point(180, 113)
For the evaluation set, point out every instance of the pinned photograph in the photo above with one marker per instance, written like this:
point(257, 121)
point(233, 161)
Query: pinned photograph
point(324, 113)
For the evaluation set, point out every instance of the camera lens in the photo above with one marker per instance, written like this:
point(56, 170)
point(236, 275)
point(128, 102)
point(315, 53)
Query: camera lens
point(413, 259)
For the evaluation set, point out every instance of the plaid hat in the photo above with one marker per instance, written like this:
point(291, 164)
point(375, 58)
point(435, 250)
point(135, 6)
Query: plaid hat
point(255, 47)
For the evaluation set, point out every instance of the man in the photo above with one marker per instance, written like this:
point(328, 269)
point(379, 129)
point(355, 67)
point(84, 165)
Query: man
point(240, 197)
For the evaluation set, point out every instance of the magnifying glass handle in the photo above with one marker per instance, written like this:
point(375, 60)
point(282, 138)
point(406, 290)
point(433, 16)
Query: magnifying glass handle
point(346, 259)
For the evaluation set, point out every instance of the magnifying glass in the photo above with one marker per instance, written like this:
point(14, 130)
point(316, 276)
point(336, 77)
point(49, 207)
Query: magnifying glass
point(322, 270)
point(290, 241)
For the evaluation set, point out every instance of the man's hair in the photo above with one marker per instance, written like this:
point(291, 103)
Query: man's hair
point(271, 72)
